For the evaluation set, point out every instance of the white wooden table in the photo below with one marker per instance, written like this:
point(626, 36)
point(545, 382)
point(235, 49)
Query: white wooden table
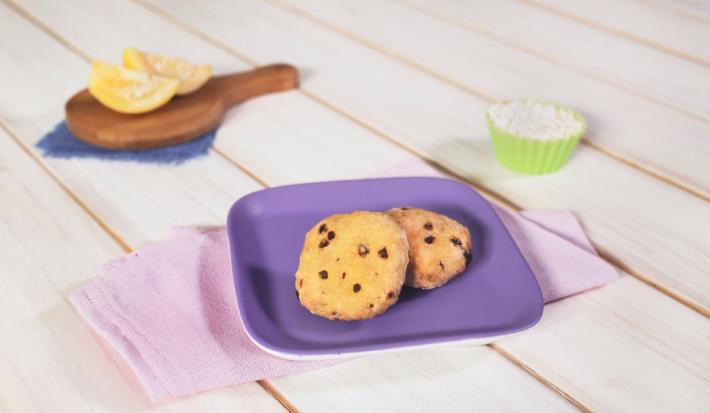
point(382, 80)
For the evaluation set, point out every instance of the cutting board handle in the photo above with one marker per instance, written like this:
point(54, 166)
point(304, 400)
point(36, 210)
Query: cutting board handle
point(239, 87)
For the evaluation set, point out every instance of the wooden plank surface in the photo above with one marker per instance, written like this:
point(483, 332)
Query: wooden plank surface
point(583, 49)
point(614, 333)
point(512, 379)
point(694, 9)
point(450, 52)
point(611, 348)
point(650, 26)
point(404, 104)
point(645, 366)
point(606, 348)
point(142, 200)
point(280, 166)
point(50, 359)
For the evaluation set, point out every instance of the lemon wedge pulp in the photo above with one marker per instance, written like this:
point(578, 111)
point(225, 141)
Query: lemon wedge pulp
point(129, 91)
point(191, 76)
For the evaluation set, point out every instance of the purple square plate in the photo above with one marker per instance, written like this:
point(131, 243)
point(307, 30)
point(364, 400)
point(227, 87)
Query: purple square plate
point(496, 296)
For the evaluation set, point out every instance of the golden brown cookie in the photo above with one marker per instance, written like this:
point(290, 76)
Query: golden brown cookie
point(439, 247)
point(352, 266)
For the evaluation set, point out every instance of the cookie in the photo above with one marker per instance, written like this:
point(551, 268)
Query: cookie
point(352, 266)
point(439, 247)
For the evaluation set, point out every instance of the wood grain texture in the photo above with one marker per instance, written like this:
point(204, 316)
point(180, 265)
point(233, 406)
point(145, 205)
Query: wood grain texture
point(606, 315)
point(647, 367)
point(692, 9)
point(50, 359)
point(68, 367)
point(493, 71)
point(118, 211)
point(461, 372)
point(583, 49)
point(329, 148)
point(445, 124)
point(143, 200)
point(182, 119)
point(673, 34)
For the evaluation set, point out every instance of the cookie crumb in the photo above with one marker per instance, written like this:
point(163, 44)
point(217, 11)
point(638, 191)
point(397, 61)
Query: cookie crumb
point(430, 239)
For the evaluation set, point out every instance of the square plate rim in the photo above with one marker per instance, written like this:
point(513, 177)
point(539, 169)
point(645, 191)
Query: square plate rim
point(286, 353)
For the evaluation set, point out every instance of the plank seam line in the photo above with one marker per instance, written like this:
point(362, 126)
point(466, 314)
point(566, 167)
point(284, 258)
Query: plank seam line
point(53, 176)
point(188, 28)
point(264, 384)
point(705, 196)
point(249, 60)
point(503, 201)
point(618, 32)
point(241, 167)
point(653, 172)
point(276, 394)
point(678, 11)
point(417, 5)
point(53, 34)
point(507, 355)
point(88, 59)
point(614, 261)
point(479, 186)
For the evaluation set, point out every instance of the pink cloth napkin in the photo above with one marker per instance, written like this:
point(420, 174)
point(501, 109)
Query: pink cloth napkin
point(169, 309)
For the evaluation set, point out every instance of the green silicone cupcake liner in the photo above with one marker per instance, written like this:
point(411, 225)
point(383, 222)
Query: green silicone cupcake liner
point(533, 156)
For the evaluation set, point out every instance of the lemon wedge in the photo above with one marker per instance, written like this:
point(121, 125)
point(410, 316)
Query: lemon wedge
point(129, 91)
point(191, 76)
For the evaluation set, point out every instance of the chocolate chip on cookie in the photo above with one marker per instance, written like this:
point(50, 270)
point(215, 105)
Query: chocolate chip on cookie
point(362, 250)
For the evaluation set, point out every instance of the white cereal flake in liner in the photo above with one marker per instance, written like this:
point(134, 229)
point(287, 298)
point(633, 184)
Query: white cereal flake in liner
point(534, 120)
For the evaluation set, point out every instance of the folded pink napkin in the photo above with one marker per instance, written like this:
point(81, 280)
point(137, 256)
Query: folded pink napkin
point(169, 308)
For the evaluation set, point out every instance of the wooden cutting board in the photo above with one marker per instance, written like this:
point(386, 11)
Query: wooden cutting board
point(182, 119)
